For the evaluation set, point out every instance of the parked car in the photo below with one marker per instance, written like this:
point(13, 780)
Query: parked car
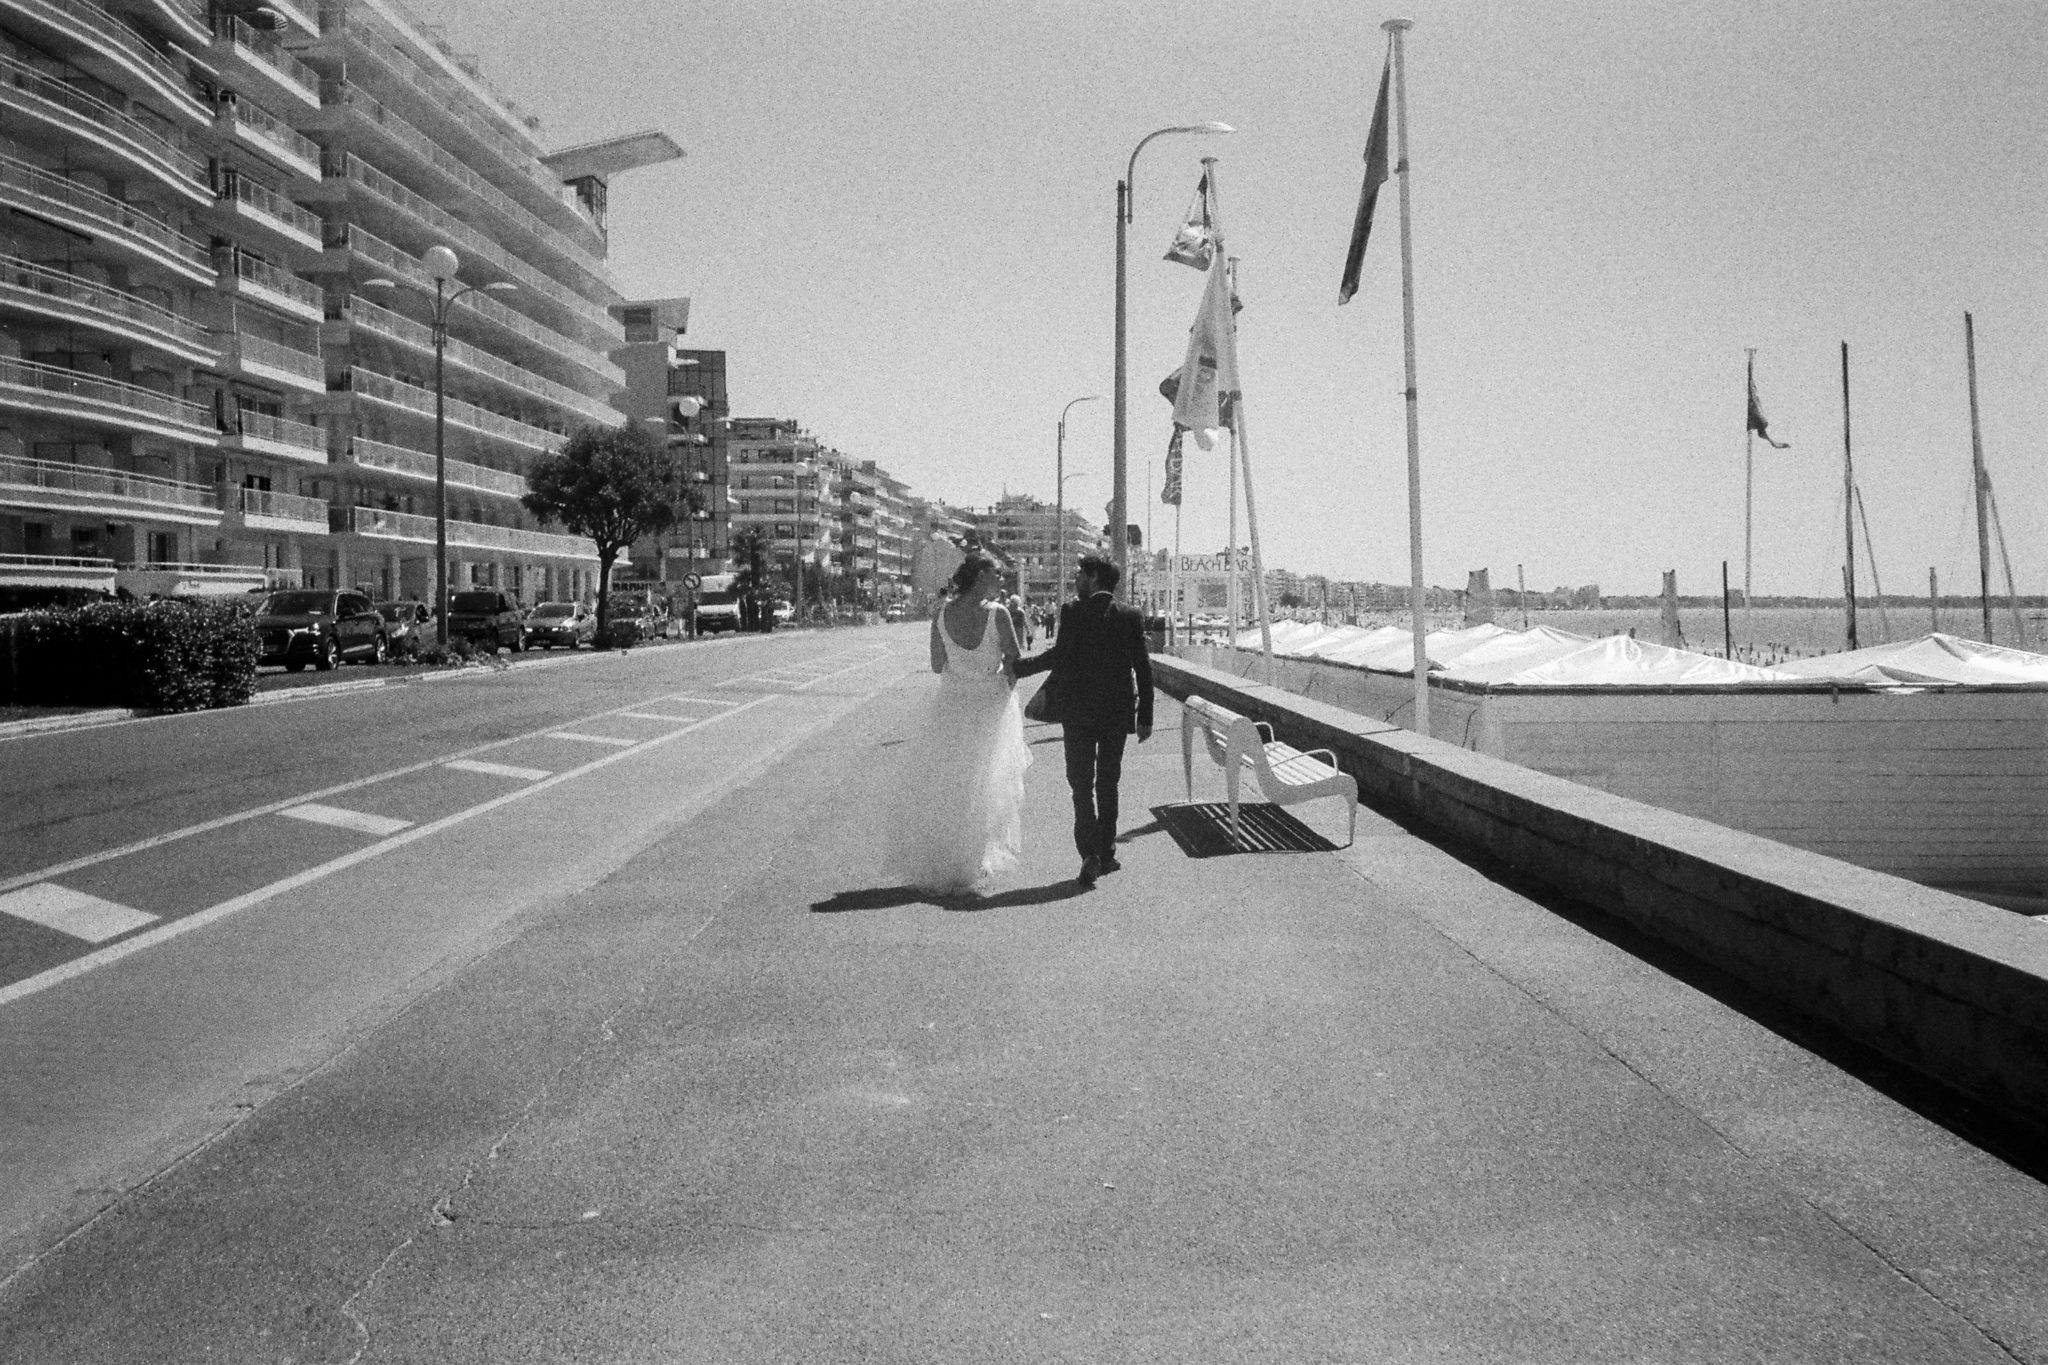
point(784, 612)
point(894, 612)
point(567, 624)
point(301, 626)
point(486, 617)
point(406, 626)
point(718, 603)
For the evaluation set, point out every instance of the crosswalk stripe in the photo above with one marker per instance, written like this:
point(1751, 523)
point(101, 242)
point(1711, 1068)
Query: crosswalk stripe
point(472, 765)
point(72, 912)
point(360, 821)
point(593, 739)
point(656, 715)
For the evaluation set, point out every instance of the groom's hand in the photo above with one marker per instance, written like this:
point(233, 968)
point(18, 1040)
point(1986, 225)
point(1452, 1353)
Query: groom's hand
point(1144, 733)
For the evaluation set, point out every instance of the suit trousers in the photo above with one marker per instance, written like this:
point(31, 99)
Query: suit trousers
point(1095, 764)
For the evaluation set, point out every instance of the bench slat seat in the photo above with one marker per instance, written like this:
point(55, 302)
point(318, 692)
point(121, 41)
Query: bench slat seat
point(1285, 775)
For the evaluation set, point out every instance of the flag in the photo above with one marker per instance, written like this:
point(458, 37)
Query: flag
point(1369, 193)
point(1169, 492)
point(1756, 417)
point(1208, 377)
point(1195, 243)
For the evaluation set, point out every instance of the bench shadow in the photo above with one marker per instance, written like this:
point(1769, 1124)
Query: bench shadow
point(1202, 829)
point(895, 897)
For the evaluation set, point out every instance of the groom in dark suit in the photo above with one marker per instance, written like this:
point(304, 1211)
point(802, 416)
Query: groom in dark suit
point(1102, 678)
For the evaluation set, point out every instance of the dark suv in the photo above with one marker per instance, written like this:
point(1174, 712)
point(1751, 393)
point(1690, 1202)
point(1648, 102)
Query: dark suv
point(487, 617)
point(301, 626)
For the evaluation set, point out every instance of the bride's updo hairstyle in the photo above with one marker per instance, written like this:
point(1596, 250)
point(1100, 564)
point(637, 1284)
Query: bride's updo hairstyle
point(969, 573)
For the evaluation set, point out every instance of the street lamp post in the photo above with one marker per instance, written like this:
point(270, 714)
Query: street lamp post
point(1118, 509)
point(1059, 574)
point(441, 264)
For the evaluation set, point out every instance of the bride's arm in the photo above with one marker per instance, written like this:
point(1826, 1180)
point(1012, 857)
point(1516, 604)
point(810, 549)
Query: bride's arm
point(938, 647)
point(1006, 640)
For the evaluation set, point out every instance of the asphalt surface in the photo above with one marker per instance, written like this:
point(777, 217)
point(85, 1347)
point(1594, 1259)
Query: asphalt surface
point(647, 1065)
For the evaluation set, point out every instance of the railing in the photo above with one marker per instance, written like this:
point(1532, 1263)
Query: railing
point(119, 35)
point(274, 278)
point(268, 52)
point(407, 268)
point(107, 483)
point(349, 166)
point(179, 165)
point(370, 521)
point(425, 148)
point(264, 427)
point(278, 356)
point(261, 502)
point(268, 201)
point(27, 277)
point(246, 113)
point(55, 379)
point(419, 464)
point(50, 187)
point(386, 389)
point(385, 322)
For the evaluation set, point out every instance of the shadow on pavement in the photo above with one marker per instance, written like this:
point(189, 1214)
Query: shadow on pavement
point(893, 897)
point(1202, 829)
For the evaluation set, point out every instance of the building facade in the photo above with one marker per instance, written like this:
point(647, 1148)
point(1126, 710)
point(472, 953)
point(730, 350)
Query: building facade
point(679, 394)
point(1026, 533)
point(781, 499)
point(203, 384)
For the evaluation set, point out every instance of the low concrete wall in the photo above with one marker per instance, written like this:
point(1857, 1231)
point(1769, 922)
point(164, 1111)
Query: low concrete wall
point(1954, 989)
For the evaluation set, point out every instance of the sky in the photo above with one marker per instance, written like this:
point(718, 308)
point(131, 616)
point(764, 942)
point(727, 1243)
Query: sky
point(897, 219)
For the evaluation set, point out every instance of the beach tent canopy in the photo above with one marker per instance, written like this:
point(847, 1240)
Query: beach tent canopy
point(1934, 658)
point(1391, 649)
point(1505, 655)
point(1618, 661)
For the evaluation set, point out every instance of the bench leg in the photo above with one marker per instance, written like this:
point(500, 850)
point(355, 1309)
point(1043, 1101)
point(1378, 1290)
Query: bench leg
point(1187, 755)
point(1230, 781)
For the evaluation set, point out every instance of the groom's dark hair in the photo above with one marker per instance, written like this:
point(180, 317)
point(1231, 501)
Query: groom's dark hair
point(1105, 572)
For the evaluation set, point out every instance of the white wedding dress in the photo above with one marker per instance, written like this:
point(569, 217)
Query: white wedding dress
point(956, 807)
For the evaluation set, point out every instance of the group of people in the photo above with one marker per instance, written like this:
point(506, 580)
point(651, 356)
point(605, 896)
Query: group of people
point(957, 817)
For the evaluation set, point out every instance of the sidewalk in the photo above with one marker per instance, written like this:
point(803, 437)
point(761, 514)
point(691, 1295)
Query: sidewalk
point(739, 1103)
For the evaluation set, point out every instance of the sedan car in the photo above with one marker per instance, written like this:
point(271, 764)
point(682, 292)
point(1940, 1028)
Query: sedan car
point(299, 626)
point(406, 626)
point(567, 624)
point(486, 617)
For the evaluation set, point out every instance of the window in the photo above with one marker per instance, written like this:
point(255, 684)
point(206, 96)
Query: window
point(163, 547)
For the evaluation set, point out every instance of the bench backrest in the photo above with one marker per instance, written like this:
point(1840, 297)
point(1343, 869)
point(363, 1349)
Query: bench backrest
point(1231, 738)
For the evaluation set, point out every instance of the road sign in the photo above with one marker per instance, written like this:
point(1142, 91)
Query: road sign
point(692, 582)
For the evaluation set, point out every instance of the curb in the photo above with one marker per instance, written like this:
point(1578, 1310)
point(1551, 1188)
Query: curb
point(80, 720)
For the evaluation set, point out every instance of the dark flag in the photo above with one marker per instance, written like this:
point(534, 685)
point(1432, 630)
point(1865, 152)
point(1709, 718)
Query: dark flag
point(1756, 416)
point(1169, 493)
point(1369, 193)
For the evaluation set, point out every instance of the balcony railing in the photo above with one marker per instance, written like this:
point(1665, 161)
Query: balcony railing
point(271, 204)
point(111, 396)
point(270, 54)
point(278, 280)
point(43, 94)
point(386, 389)
point(370, 521)
point(47, 290)
point(407, 269)
point(283, 430)
point(46, 191)
point(277, 356)
point(246, 114)
point(124, 43)
point(418, 464)
point(261, 502)
point(93, 481)
point(385, 322)
point(348, 166)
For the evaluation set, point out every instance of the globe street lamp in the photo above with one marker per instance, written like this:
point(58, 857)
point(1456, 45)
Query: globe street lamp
point(1118, 510)
point(441, 264)
point(1060, 476)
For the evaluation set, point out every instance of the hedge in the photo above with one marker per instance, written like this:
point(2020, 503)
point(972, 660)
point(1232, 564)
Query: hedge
point(154, 656)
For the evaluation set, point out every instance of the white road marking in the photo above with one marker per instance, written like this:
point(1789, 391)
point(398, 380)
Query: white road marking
point(595, 739)
point(703, 701)
point(361, 821)
point(472, 765)
point(655, 715)
point(72, 912)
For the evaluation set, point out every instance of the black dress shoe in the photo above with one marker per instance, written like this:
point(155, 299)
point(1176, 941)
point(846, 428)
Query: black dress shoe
point(1109, 864)
point(1090, 870)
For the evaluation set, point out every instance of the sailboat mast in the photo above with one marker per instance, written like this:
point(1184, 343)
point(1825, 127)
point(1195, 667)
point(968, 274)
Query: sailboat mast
point(1848, 506)
point(1979, 478)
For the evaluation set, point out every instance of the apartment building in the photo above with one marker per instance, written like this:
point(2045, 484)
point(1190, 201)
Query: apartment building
point(681, 394)
point(218, 299)
point(894, 536)
point(780, 491)
point(1026, 533)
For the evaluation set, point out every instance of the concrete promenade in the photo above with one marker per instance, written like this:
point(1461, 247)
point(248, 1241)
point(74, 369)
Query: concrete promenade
point(738, 1102)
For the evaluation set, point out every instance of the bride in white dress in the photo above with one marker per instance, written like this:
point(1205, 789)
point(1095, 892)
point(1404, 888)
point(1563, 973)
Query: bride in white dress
point(956, 807)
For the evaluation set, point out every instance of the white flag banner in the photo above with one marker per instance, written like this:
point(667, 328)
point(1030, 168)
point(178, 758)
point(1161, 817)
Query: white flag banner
point(1208, 377)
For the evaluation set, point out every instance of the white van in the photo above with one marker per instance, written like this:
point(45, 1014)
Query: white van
point(718, 603)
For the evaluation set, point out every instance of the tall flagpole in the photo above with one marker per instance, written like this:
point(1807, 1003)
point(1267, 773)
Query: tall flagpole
point(1980, 481)
point(1848, 506)
point(1748, 500)
point(1416, 603)
point(1240, 445)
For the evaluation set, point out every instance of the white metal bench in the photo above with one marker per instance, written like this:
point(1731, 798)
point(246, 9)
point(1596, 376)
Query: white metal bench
point(1286, 775)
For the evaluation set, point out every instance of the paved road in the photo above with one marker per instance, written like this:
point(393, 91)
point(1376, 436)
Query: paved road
point(713, 1094)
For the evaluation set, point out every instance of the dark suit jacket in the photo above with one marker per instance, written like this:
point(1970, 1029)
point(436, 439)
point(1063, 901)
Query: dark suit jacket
point(1099, 662)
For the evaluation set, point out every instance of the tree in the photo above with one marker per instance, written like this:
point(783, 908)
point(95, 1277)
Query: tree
point(614, 485)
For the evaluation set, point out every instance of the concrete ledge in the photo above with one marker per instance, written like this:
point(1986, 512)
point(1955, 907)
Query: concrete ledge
point(1951, 988)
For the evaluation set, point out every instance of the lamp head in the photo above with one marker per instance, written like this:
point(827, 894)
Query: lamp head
point(441, 263)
